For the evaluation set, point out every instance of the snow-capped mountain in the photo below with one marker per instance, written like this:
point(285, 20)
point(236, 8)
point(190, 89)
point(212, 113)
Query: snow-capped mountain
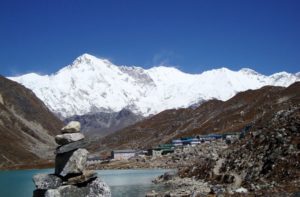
point(92, 85)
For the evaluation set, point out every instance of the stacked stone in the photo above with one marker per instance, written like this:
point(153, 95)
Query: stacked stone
point(70, 177)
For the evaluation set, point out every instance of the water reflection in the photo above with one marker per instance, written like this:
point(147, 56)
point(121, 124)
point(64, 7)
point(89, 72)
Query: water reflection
point(133, 183)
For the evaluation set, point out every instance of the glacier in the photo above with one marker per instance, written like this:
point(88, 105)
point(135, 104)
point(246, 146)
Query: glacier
point(91, 85)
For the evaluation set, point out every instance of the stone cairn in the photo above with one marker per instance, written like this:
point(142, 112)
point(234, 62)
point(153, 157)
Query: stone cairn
point(70, 178)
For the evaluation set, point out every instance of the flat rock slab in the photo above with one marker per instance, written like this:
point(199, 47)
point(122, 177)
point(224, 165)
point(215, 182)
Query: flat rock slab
point(71, 146)
point(72, 162)
point(68, 138)
point(46, 181)
point(71, 127)
point(86, 176)
point(96, 188)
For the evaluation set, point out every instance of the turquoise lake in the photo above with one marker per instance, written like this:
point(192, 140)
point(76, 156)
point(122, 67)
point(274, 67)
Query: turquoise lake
point(131, 183)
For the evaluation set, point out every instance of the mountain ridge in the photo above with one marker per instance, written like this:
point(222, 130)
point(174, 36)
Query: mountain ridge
point(101, 123)
point(95, 85)
point(27, 126)
point(213, 116)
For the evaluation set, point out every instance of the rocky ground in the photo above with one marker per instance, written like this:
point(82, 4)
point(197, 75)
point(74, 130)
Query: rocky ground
point(266, 162)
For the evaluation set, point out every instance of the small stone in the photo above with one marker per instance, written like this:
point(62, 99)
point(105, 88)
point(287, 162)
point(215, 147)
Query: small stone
point(152, 194)
point(241, 190)
point(72, 162)
point(46, 181)
point(68, 138)
point(293, 129)
point(84, 177)
point(71, 146)
point(71, 127)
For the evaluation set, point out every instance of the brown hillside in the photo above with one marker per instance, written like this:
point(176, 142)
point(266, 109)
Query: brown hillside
point(27, 126)
point(211, 117)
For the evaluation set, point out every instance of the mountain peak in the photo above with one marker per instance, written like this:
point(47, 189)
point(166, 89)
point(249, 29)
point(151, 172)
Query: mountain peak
point(91, 84)
point(84, 58)
point(88, 59)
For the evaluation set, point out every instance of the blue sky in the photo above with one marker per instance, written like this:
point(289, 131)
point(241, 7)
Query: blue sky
point(43, 36)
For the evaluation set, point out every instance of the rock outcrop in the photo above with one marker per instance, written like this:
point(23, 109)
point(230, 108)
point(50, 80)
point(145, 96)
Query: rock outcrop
point(70, 179)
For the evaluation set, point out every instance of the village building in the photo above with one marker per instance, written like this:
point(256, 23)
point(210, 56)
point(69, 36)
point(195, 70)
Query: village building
point(195, 141)
point(141, 153)
point(209, 137)
point(161, 149)
point(94, 160)
point(123, 154)
point(156, 152)
point(177, 142)
point(186, 141)
point(231, 137)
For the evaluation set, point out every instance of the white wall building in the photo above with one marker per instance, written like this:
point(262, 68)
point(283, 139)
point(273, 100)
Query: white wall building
point(123, 154)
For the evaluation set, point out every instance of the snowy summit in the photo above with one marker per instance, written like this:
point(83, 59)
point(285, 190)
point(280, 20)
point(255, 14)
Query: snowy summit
point(91, 84)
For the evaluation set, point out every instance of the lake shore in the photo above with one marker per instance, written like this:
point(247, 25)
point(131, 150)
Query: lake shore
point(263, 162)
point(16, 183)
point(30, 166)
point(206, 169)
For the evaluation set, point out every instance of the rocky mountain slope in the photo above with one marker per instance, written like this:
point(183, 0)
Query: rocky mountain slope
point(92, 85)
point(211, 117)
point(102, 123)
point(27, 126)
point(265, 162)
point(268, 158)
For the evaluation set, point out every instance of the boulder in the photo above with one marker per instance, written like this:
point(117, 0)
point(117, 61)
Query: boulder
point(96, 188)
point(46, 181)
point(71, 146)
point(39, 192)
point(72, 162)
point(66, 191)
point(68, 138)
point(71, 127)
point(169, 175)
point(86, 176)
